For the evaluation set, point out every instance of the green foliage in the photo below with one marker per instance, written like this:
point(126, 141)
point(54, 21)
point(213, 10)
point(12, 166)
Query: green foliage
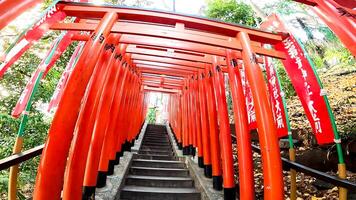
point(341, 54)
point(329, 53)
point(151, 115)
point(14, 82)
point(314, 53)
point(328, 34)
point(285, 7)
point(286, 84)
point(232, 11)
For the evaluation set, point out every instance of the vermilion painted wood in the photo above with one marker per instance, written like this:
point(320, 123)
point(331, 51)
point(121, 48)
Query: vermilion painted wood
point(204, 57)
point(157, 81)
point(190, 47)
point(197, 120)
point(101, 122)
point(191, 118)
point(154, 89)
point(165, 79)
point(117, 108)
point(224, 127)
point(168, 60)
point(187, 113)
point(271, 158)
point(136, 106)
point(85, 11)
point(172, 113)
point(75, 168)
point(109, 139)
point(160, 30)
point(213, 126)
point(243, 138)
point(140, 63)
point(170, 50)
point(179, 117)
point(170, 54)
point(182, 61)
point(204, 122)
point(163, 86)
point(163, 90)
point(166, 86)
point(164, 69)
point(138, 122)
point(170, 43)
point(184, 117)
point(161, 75)
point(348, 6)
point(10, 9)
point(133, 104)
point(173, 38)
point(127, 106)
point(48, 181)
point(120, 126)
point(80, 37)
point(344, 29)
point(307, 2)
point(159, 85)
point(194, 113)
point(121, 135)
point(162, 72)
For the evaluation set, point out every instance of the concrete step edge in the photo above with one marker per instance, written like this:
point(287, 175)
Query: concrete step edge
point(160, 169)
point(157, 161)
point(160, 190)
point(169, 178)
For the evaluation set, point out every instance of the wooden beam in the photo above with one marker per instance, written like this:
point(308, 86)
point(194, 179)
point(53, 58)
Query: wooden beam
point(91, 11)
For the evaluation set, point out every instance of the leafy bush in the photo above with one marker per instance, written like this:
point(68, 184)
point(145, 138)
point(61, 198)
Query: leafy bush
point(232, 11)
point(151, 115)
point(14, 82)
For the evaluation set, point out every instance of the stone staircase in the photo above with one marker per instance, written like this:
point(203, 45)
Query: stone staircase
point(155, 172)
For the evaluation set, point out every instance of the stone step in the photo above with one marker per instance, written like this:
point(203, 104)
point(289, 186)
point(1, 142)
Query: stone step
point(159, 193)
point(157, 144)
point(158, 163)
point(159, 135)
point(160, 181)
point(154, 157)
point(156, 137)
point(156, 140)
point(151, 171)
point(160, 140)
point(156, 148)
point(153, 152)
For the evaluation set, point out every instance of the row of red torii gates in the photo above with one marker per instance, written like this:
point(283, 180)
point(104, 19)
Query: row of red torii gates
point(130, 52)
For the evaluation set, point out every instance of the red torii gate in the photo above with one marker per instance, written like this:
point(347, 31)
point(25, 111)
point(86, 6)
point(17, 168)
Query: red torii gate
point(340, 16)
point(159, 45)
point(131, 51)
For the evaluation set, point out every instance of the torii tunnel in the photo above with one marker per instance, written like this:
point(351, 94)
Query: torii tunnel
point(129, 52)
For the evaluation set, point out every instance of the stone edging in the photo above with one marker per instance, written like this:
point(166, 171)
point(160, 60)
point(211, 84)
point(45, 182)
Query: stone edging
point(116, 181)
point(203, 184)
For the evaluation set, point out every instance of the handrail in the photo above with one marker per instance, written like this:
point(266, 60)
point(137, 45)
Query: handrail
point(287, 164)
point(20, 157)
